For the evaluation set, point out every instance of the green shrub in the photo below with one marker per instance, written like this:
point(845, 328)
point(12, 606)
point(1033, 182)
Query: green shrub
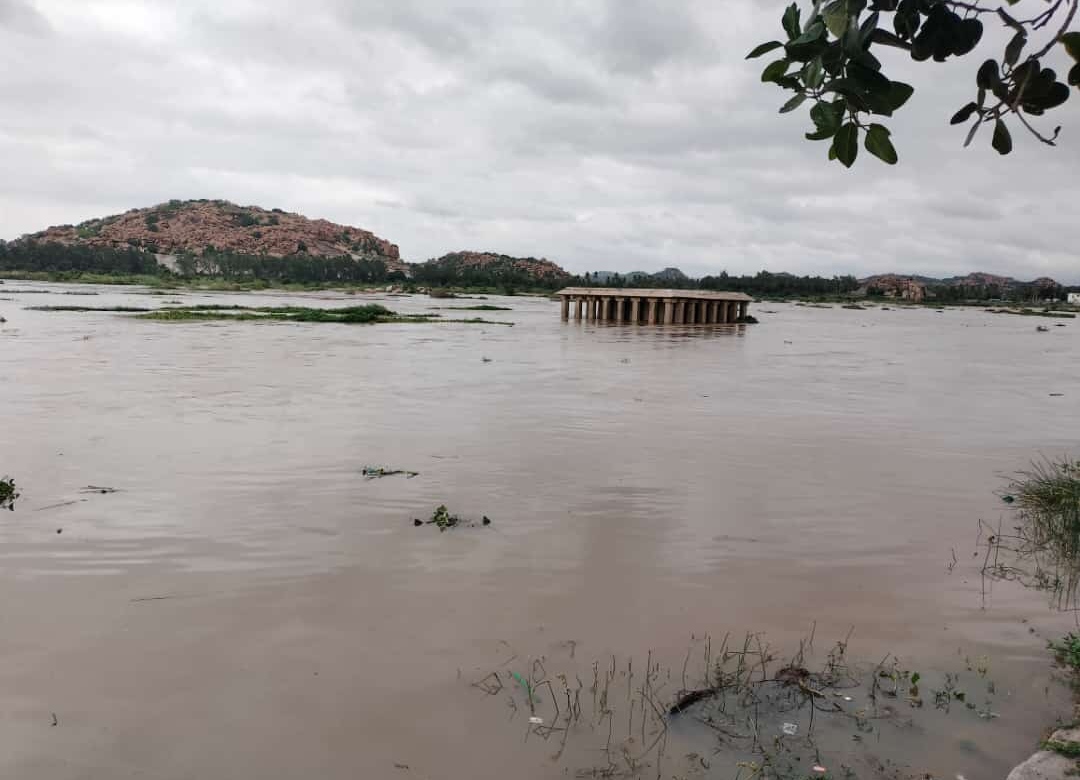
point(1067, 651)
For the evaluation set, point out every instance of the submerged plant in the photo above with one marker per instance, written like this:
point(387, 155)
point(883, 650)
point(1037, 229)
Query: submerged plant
point(1067, 651)
point(442, 519)
point(8, 493)
point(1042, 549)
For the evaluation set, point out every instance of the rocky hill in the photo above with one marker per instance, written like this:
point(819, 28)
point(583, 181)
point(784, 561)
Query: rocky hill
point(976, 279)
point(198, 226)
point(460, 266)
point(912, 288)
point(956, 288)
point(206, 231)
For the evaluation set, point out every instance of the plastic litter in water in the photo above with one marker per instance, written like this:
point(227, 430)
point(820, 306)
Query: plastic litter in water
point(820, 769)
point(536, 721)
point(791, 729)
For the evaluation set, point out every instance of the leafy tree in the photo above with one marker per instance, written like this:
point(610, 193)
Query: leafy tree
point(829, 61)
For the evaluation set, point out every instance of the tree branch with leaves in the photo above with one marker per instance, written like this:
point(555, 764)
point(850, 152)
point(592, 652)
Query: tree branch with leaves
point(828, 61)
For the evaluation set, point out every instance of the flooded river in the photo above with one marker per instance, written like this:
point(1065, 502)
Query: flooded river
point(247, 605)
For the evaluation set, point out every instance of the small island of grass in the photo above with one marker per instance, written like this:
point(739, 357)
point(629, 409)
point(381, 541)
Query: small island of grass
point(350, 315)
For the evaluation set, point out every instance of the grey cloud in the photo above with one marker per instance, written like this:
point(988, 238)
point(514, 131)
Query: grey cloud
point(640, 35)
point(616, 134)
point(21, 17)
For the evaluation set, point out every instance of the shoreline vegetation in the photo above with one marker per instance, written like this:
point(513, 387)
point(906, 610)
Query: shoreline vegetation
point(349, 315)
point(161, 284)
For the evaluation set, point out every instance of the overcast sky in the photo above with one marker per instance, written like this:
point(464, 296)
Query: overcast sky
point(602, 134)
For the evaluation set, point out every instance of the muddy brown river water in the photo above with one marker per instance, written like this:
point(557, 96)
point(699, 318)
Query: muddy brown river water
point(247, 605)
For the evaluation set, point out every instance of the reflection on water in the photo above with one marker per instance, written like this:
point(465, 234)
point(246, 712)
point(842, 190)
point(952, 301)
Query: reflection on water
point(645, 483)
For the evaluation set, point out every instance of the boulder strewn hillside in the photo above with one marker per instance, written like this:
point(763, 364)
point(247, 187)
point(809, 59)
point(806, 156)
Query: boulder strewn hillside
point(460, 267)
point(195, 226)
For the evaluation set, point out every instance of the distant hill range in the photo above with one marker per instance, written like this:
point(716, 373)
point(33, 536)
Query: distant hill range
point(202, 231)
point(248, 242)
point(917, 288)
point(667, 275)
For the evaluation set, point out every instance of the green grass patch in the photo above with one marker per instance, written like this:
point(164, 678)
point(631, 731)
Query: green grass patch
point(1067, 749)
point(350, 315)
point(1067, 651)
point(1040, 546)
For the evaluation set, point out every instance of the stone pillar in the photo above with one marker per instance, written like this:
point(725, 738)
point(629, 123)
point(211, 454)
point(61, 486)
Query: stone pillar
point(566, 307)
point(579, 304)
point(739, 309)
point(732, 311)
point(710, 312)
point(652, 311)
point(619, 309)
point(680, 311)
point(691, 312)
point(669, 311)
point(723, 318)
point(703, 312)
point(590, 308)
point(635, 310)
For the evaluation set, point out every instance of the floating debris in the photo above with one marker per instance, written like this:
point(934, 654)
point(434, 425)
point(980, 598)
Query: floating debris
point(8, 493)
point(378, 472)
point(791, 729)
point(98, 489)
point(442, 518)
point(61, 504)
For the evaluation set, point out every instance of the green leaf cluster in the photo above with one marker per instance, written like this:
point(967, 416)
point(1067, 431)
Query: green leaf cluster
point(830, 62)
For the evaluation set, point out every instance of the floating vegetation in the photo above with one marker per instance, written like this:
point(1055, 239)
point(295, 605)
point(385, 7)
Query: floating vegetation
point(378, 472)
point(8, 493)
point(1067, 652)
point(125, 309)
point(853, 307)
point(479, 307)
point(1025, 312)
point(769, 716)
point(442, 519)
point(49, 292)
point(1041, 547)
point(370, 313)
